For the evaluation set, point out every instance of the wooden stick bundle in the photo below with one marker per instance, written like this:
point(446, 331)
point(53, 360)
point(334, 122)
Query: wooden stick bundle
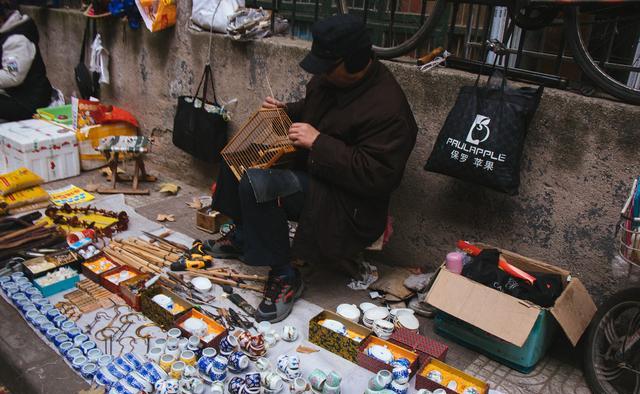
point(222, 281)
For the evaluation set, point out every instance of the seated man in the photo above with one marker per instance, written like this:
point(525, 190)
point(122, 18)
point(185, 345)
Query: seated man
point(354, 131)
point(24, 86)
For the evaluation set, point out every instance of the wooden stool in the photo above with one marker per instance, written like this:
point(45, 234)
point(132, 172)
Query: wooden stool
point(135, 147)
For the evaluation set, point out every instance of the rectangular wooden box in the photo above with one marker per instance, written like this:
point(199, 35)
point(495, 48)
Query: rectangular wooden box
point(130, 297)
point(210, 223)
point(68, 258)
point(115, 287)
point(425, 347)
point(462, 379)
point(341, 345)
point(95, 275)
point(158, 314)
point(375, 365)
point(216, 329)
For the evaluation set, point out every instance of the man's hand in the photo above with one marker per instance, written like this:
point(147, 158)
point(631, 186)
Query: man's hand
point(303, 135)
point(271, 103)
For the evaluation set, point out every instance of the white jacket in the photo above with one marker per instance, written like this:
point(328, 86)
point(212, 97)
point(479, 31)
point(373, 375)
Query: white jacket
point(17, 53)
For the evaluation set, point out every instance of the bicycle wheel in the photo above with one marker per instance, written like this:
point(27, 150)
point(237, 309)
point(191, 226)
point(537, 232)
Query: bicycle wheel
point(398, 26)
point(604, 41)
point(612, 354)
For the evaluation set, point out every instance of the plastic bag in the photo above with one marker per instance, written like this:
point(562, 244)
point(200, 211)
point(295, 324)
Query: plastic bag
point(214, 14)
point(19, 179)
point(157, 14)
point(24, 197)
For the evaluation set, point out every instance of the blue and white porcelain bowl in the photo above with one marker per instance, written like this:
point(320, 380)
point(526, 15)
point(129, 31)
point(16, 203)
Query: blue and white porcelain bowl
point(17, 275)
point(17, 296)
point(134, 379)
point(208, 354)
point(60, 338)
point(24, 287)
point(74, 332)
point(5, 279)
point(24, 304)
point(148, 376)
point(123, 365)
point(217, 376)
point(65, 347)
point(116, 371)
point(33, 293)
point(87, 346)
point(44, 327)
point(73, 353)
point(235, 384)
point(79, 362)
point(67, 325)
point(104, 378)
point(52, 313)
point(59, 320)
point(80, 339)
point(11, 290)
point(32, 315)
point(94, 355)
point(401, 374)
point(122, 387)
point(155, 371)
point(238, 361)
point(52, 333)
point(89, 370)
point(105, 360)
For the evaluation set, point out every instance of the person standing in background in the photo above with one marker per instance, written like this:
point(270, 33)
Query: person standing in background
point(24, 86)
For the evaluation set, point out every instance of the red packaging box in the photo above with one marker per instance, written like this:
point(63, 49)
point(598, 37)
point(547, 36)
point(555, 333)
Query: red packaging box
point(449, 373)
point(425, 347)
point(375, 365)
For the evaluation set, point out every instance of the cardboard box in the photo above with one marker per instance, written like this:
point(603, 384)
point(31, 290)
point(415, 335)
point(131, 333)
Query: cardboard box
point(449, 373)
point(164, 318)
point(341, 345)
point(504, 318)
point(424, 346)
point(91, 271)
point(216, 330)
point(128, 292)
point(375, 365)
point(49, 150)
point(113, 286)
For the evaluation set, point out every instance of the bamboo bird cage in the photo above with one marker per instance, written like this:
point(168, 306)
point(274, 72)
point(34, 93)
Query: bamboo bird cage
point(262, 142)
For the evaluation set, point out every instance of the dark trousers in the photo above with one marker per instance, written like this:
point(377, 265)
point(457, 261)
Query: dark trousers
point(262, 230)
point(13, 111)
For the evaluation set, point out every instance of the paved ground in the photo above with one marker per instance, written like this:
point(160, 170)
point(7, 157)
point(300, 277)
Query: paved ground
point(29, 366)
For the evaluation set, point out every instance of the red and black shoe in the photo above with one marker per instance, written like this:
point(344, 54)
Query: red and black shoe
point(279, 296)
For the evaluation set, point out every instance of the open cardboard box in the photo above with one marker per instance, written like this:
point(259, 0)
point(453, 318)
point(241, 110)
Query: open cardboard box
point(215, 330)
point(507, 317)
point(107, 277)
point(374, 365)
point(449, 373)
point(164, 318)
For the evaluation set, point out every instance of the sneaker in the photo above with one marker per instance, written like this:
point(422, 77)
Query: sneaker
point(224, 248)
point(279, 295)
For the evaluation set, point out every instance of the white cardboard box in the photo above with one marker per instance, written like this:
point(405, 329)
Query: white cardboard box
point(48, 150)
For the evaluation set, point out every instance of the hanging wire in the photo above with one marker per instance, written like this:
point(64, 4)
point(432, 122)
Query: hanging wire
point(211, 32)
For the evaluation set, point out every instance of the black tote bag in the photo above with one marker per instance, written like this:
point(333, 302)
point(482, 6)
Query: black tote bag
point(483, 136)
point(86, 80)
point(201, 130)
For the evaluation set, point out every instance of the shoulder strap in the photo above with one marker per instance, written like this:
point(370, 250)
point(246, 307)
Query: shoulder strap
point(207, 76)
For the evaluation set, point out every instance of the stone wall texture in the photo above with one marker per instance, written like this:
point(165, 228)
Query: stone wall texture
point(579, 159)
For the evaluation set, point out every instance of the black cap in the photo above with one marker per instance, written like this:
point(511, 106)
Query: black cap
point(335, 38)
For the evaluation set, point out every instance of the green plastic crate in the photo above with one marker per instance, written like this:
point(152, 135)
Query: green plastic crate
point(61, 114)
point(523, 359)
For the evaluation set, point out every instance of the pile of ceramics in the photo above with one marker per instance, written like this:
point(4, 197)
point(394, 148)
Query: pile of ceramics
point(391, 382)
point(380, 319)
point(64, 334)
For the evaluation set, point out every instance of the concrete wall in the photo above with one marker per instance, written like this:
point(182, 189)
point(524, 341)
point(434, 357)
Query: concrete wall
point(579, 156)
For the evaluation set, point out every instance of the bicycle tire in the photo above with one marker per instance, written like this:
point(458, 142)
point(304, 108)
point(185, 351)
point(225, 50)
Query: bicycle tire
point(412, 42)
point(543, 19)
point(582, 57)
point(631, 294)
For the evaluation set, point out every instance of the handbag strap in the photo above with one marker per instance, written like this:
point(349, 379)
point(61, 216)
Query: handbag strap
point(84, 41)
point(207, 77)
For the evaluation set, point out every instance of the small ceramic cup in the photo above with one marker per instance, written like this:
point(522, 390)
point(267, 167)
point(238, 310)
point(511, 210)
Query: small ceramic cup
point(252, 381)
point(104, 360)
point(60, 339)
point(174, 333)
point(334, 378)
point(401, 374)
point(182, 344)
point(165, 362)
point(65, 347)
point(271, 380)
point(238, 361)
point(220, 363)
point(73, 353)
point(217, 376)
point(188, 357)
point(89, 370)
point(74, 332)
point(94, 355)
point(59, 320)
point(67, 325)
point(263, 364)
point(154, 354)
point(206, 358)
point(194, 343)
point(80, 339)
point(159, 342)
point(177, 368)
point(317, 379)
point(87, 346)
point(399, 388)
point(289, 333)
point(299, 385)
point(228, 344)
point(382, 379)
point(52, 333)
point(78, 362)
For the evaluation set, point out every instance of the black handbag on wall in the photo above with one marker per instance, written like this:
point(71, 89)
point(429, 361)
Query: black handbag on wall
point(201, 130)
point(483, 136)
point(86, 81)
